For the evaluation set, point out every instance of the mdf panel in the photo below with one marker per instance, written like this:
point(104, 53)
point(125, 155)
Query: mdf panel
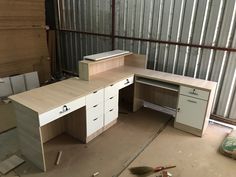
point(156, 95)
point(89, 68)
point(53, 129)
point(135, 60)
point(7, 118)
point(30, 136)
point(76, 124)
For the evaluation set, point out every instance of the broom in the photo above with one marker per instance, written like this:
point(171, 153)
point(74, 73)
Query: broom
point(143, 170)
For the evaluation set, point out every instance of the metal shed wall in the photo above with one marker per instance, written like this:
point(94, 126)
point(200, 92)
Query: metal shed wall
point(194, 38)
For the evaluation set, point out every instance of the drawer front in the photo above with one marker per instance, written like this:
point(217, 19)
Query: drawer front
point(196, 93)
point(191, 111)
point(94, 98)
point(110, 115)
point(94, 111)
point(111, 90)
point(126, 82)
point(111, 103)
point(94, 124)
point(58, 112)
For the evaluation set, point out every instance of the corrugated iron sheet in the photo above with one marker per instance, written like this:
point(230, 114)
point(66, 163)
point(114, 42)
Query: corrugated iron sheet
point(208, 22)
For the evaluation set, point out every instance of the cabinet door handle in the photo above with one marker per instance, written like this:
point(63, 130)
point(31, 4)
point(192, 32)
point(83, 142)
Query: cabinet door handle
point(95, 105)
point(191, 101)
point(95, 91)
point(111, 110)
point(64, 109)
point(111, 98)
point(193, 92)
point(95, 119)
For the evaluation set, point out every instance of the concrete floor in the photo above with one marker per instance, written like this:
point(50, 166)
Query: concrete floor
point(137, 139)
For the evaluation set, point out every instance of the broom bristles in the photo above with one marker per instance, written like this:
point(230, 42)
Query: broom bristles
point(141, 170)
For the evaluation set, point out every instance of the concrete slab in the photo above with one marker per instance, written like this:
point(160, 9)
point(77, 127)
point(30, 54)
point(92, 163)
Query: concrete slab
point(193, 156)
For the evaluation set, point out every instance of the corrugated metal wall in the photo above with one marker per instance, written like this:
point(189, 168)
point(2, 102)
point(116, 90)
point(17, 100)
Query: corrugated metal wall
point(200, 22)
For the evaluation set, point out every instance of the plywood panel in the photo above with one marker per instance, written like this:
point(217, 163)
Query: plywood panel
point(21, 13)
point(30, 136)
point(23, 51)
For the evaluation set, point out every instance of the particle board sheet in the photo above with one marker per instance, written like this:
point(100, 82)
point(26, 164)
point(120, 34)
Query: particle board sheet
point(10, 163)
point(18, 84)
point(31, 80)
point(22, 13)
point(105, 55)
point(5, 87)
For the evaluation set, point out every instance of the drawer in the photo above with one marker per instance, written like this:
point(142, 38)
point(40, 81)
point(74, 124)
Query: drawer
point(126, 82)
point(111, 103)
point(196, 93)
point(94, 124)
point(111, 90)
point(94, 98)
point(111, 115)
point(60, 111)
point(94, 111)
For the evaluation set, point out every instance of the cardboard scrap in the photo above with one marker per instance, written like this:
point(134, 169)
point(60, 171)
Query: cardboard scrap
point(10, 163)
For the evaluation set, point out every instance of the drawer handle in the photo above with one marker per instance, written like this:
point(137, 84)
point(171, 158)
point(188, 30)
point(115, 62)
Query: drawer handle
point(111, 110)
point(191, 101)
point(111, 98)
point(95, 105)
point(127, 81)
point(111, 85)
point(178, 109)
point(193, 92)
point(95, 91)
point(64, 109)
point(95, 119)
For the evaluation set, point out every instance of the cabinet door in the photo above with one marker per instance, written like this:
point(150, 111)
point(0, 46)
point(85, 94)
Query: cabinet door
point(191, 111)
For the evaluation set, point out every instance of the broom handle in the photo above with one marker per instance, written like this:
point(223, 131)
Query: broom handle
point(157, 169)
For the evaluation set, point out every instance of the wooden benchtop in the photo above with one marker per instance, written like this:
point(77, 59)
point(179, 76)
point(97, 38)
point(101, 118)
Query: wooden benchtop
point(54, 95)
point(162, 76)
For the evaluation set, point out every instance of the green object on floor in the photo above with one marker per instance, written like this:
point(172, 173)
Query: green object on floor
point(228, 146)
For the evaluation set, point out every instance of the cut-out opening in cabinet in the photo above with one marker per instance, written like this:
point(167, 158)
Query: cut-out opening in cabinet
point(73, 124)
point(156, 94)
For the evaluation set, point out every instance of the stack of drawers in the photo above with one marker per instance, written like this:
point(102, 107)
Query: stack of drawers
point(94, 111)
point(111, 103)
point(102, 108)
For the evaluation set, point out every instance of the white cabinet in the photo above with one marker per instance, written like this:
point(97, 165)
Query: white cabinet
point(191, 110)
point(111, 91)
point(110, 104)
point(94, 111)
